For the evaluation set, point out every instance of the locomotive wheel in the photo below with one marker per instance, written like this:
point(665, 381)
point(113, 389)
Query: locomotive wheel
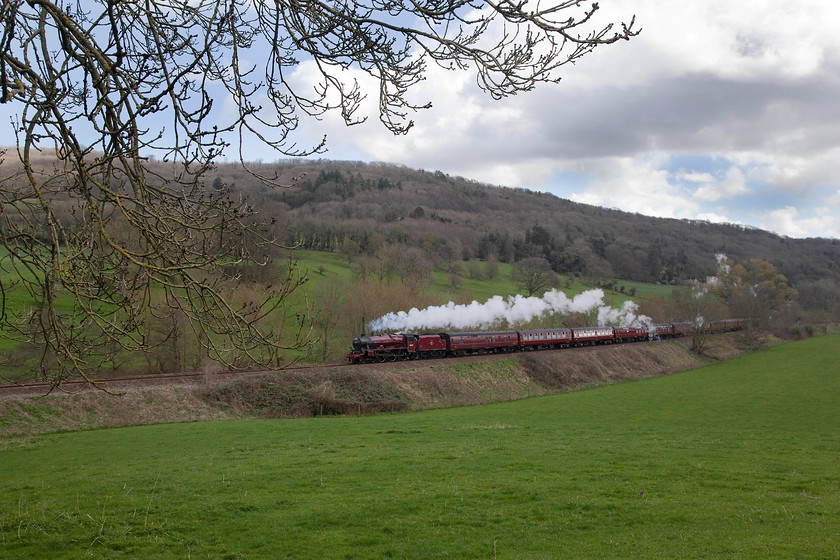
point(380, 358)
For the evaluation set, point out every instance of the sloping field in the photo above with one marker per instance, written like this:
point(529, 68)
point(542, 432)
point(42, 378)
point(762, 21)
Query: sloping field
point(735, 460)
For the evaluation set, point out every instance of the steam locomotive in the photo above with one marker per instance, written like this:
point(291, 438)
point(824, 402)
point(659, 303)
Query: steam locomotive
point(405, 346)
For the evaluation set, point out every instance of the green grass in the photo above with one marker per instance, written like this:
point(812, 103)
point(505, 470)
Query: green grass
point(736, 460)
point(645, 289)
point(319, 264)
point(475, 289)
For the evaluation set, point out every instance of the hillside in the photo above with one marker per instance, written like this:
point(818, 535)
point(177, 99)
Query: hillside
point(358, 208)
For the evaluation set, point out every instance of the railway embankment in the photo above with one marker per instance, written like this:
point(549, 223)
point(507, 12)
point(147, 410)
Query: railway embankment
point(365, 389)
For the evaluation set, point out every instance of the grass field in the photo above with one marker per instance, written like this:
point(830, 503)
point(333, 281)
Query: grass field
point(318, 264)
point(737, 460)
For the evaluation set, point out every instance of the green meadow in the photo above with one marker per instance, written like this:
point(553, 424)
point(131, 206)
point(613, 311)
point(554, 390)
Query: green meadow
point(319, 265)
point(735, 460)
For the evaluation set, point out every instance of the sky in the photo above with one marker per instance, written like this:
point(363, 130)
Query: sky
point(720, 111)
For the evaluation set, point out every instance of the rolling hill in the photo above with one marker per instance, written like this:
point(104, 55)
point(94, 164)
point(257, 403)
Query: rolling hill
point(357, 208)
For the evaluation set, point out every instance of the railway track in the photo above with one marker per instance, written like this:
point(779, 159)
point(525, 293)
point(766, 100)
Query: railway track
point(120, 384)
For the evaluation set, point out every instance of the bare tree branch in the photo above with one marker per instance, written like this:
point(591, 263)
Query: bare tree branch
point(109, 242)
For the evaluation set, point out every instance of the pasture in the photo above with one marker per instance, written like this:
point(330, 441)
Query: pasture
point(739, 460)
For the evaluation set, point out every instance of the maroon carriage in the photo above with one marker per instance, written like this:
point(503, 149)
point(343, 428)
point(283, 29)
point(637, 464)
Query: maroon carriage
point(463, 343)
point(630, 334)
point(545, 338)
point(665, 330)
point(587, 336)
point(683, 329)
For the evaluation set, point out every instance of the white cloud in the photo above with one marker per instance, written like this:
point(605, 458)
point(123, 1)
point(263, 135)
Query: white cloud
point(732, 185)
point(787, 221)
point(741, 40)
point(799, 173)
point(716, 218)
point(783, 220)
point(634, 185)
point(694, 176)
point(749, 88)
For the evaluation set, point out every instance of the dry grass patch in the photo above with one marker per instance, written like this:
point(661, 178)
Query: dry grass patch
point(587, 367)
point(465, 384)
point(94, 409)
point(313, 393)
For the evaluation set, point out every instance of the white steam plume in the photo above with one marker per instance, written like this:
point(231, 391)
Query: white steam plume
point(515, 310)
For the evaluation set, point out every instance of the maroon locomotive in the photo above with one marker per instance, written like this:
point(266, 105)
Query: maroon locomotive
point(383, 347)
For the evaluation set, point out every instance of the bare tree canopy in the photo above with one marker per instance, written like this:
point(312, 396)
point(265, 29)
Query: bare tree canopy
point(100, 87)
point(533, 275)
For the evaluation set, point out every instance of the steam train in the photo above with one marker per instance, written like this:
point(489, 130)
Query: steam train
point(393, 347)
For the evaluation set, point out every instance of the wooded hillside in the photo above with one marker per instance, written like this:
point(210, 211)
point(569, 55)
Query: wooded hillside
point(358, 208)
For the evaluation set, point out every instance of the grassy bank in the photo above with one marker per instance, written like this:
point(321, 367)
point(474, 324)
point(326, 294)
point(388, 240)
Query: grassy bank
point(738, 459)
point(321, 391)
